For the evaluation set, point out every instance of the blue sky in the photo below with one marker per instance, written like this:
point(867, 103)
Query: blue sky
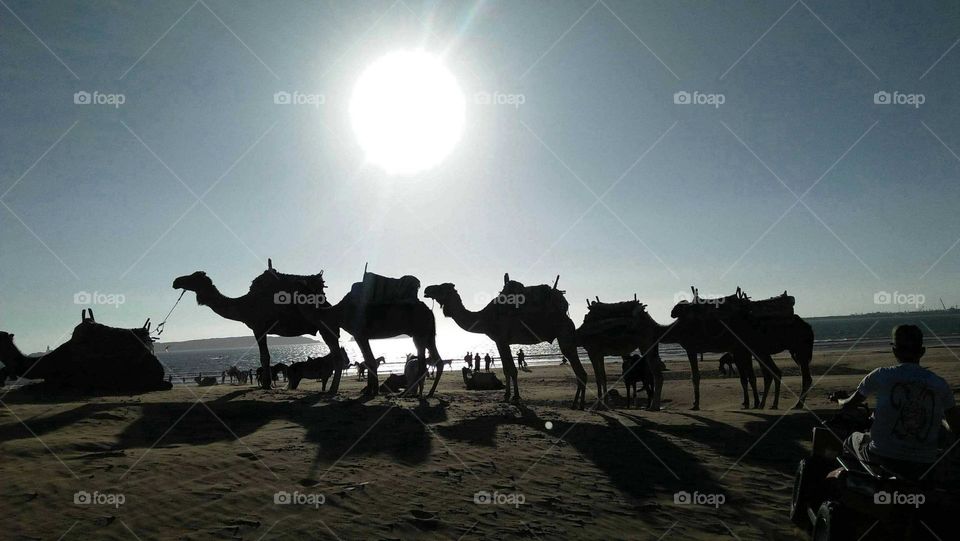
point(104, 199)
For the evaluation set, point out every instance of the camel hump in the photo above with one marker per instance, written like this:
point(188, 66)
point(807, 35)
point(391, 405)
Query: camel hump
point(612, 310)
point(533, 298)
point(271, 282)
point(377, 289)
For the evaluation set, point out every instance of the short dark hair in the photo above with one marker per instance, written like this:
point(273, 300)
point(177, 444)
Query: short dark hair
point(907, 338)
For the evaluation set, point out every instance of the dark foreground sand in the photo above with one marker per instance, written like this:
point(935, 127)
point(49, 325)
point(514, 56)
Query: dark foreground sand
point(207, 463)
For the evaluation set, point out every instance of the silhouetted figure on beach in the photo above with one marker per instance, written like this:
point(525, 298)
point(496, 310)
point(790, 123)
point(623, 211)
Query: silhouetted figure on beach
point(468, 358)
point(476, 362)
point(521, 360)
point(486, 362)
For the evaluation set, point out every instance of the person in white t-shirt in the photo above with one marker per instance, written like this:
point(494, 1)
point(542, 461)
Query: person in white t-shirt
point(911, 402)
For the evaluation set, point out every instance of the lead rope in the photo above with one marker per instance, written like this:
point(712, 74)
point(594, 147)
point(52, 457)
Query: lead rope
point(159, 328)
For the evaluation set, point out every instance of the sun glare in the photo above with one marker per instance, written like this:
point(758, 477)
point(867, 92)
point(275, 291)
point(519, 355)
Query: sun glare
point(407, 111)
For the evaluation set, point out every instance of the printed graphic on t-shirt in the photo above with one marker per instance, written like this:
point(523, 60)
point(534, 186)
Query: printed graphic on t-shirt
point(915, 404)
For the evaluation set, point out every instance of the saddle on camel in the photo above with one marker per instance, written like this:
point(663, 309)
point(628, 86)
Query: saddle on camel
point(376, 289)
point(736, 305)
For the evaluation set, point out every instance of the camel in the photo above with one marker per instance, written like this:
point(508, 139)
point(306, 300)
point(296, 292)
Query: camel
point(379, 308)
point(367, 312)
point(726, 367)
point(646, 370)
point(96, 357)
point(616, 329)
point(432, 366)
point(362, 368)
point(519, 315)
point(277, 370)
point(268, 308)
point(320, 368)
point(235, 374)
point(205, 381)
point(743, 336)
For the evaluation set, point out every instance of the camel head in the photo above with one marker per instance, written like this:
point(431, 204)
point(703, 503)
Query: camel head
point(195, 282)
point(442, 293)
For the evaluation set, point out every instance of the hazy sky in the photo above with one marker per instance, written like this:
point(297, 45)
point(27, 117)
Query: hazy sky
point(97, 198)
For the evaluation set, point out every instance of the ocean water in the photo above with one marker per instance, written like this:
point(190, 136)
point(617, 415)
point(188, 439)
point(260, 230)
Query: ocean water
point(186, 365)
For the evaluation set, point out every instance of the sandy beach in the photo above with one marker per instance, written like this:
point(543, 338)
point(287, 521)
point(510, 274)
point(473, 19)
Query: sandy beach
point(236, 462)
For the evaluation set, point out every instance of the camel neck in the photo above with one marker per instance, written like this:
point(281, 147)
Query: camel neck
point(465, 319)
point(224, 306)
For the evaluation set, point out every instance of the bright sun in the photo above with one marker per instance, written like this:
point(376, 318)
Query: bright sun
point(407, 111)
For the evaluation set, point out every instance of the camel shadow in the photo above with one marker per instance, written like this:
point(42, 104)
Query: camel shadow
point(771, 441)
point(337, 428)
point(638, 461)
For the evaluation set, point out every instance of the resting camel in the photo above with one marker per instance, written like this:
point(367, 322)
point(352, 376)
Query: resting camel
point(519, 315)
point(268, 308)
point(96, 357)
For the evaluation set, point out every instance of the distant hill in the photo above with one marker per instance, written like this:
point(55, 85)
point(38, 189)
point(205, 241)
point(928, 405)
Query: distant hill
point(880, 324)
point(229, 343)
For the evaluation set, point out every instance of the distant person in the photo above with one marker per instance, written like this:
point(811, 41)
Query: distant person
point(911, 403)
point(521, 359)
point(468, 358)
point(476, 362)
point(486, 362)
point(223, 377)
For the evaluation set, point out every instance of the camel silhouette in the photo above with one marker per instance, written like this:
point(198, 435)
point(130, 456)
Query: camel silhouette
point(270, 307)
point(264, 311)
point(618, 329)
point(519, 315)
point(96, 357)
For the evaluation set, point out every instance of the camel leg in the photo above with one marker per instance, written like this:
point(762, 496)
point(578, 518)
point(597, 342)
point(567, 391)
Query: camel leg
point(509, 372)
point(657, 390)
point(745, 368)
point(264, 358)
point(434, 354)
point(694, 378)
point(771, 371)
point(373, 384)
point(803, 361)
point(599, 372)
point(568, 347)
